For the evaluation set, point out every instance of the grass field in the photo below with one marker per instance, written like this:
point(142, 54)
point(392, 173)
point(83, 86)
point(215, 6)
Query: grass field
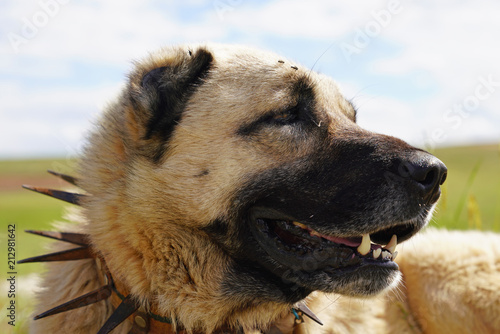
point(471, 194)
point(27, 210)
point(471, 200)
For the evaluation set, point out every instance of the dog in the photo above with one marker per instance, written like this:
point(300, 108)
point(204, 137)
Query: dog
point(230, 190)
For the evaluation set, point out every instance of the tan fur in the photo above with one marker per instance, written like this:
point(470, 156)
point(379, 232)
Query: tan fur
point(146, 219)
point(453, 281)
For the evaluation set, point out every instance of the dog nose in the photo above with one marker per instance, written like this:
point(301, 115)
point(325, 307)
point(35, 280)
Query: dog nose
point(427, 173)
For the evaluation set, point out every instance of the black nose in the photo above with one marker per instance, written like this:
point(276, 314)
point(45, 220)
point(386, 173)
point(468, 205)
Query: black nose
point(427, 173)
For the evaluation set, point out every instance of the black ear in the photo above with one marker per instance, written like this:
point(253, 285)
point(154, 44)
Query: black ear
point(166, 90)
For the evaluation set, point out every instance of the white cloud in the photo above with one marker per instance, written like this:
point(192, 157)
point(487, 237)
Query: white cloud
point(448, 38)
point(49, 121)
point(312, 19)
point(450, 44)
point(102, 31)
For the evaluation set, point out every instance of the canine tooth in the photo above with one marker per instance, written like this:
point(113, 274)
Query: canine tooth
point(391, 246)
point(386, 255)
point(394, 255)
point(365, 246)
point(377, 252)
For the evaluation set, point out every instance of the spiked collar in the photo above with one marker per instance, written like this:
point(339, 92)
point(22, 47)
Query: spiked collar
point(125, 305)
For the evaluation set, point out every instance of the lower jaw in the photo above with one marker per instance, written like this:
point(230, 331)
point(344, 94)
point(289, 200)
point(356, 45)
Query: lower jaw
point(364, 279)
point(333, 269)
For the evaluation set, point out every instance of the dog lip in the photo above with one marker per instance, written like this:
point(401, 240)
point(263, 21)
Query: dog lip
point(381, 236)
point(273, 214)
point(289, 240)
point(403, 231)
point(363, 247)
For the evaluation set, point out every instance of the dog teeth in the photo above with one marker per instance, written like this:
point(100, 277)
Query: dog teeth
point(391, 246)
point(386, 255)
point(365, 246)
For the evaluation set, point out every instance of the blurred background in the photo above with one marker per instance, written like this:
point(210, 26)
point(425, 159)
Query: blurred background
point(427, 72)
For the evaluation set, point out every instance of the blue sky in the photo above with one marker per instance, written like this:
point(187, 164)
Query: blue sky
point(425, 71)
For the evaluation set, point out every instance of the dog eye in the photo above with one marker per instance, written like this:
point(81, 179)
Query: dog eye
point(272, 119)
point(284, 117)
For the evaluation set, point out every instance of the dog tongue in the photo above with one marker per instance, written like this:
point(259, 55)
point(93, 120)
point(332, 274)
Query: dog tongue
point(351, 242)
point(342, 241)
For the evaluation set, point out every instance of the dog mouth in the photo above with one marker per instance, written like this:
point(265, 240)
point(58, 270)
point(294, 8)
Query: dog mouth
point(286, 239)
point(297, 252)
point(292, 236)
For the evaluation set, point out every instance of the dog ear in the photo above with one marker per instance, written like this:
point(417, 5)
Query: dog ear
point(159, 96)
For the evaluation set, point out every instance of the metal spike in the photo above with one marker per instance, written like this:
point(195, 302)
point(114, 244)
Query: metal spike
point(62, 195)
point(87, 299)
point(74, 238)
point(122, 312)
point(66, 255)
point(306, 311)
point(67, 178)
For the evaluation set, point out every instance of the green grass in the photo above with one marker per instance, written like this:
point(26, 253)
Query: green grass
point(27, 210)
point(35, 167)
point(471, 194)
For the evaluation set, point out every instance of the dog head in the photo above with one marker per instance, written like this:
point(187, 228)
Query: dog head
point(246, 176)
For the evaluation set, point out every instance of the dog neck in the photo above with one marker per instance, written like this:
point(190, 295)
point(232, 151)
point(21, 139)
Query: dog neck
point(141, 319)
